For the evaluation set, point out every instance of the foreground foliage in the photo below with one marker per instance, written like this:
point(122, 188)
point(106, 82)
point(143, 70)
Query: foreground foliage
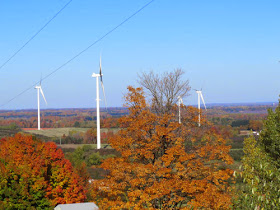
point(155, 171)
point(34, 174)
point(261, 178)
point(270, 135)
point(261, 168)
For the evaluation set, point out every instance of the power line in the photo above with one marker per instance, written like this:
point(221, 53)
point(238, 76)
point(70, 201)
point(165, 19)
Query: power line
point(29, 40)
point(77, 55)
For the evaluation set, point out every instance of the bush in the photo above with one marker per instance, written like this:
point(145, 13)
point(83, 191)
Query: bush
point(94, 159)
point(12, 126)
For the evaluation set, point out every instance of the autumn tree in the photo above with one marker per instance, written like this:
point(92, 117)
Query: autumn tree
point(34, 174)
point(164, 89)
point(154, 170)
point(90, 136)
point(255, 125)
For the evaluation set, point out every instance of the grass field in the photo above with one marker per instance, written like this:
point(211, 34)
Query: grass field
point(58, 132)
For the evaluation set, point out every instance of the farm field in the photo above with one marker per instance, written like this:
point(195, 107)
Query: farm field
point(75, 146)
point(59, 132)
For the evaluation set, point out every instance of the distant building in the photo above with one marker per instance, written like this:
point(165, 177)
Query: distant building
point(248, 133)
point(77, 206)
point(245, 132)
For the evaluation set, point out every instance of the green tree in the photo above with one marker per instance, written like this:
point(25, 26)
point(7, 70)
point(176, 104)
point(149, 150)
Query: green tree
point(261, 179)
point(85, 155)
point(261, 165)
point(77, 124)
point(270, 135)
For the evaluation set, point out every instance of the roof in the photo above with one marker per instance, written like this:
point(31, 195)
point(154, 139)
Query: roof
point(75, 206)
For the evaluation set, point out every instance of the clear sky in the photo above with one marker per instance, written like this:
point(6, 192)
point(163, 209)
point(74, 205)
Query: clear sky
point(230, 48)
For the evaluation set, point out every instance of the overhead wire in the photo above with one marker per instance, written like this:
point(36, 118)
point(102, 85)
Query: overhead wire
point(81, 52)
point(31, 38)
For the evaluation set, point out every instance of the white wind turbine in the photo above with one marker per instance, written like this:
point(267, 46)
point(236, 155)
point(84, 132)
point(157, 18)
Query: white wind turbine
point(97, 102)
point(39, 89)
point(180, 101)
point(199, 94)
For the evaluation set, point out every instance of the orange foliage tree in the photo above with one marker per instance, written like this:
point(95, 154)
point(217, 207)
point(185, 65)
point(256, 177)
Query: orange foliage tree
point(34, 174)
point(90, 136)
point(156, 171)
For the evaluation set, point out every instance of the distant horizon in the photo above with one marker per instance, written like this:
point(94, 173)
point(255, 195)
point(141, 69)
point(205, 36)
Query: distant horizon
point(122, 107)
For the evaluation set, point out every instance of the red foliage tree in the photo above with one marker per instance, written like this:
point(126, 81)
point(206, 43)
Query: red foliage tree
point(36, 174)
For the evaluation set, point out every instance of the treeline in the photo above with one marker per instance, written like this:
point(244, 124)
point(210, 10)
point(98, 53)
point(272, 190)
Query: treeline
point(241, 109)
point(62, 118)
point(107, 121)
point(219, 115)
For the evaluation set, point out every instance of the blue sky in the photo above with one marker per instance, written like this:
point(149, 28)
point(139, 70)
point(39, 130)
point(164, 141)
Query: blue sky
point(229, 48)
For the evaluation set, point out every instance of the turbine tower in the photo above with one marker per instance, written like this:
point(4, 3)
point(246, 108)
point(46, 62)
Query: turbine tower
point(180, 101)
point(39, 89)
point(199, 94)
point(97, 102)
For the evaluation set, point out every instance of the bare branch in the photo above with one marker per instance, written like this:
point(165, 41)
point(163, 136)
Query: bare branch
point(164, 89)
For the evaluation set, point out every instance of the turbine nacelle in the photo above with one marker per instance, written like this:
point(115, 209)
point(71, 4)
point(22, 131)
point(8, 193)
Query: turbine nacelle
point(180, 100)
point(96, 75)
point(199, 94)
point(39, 88)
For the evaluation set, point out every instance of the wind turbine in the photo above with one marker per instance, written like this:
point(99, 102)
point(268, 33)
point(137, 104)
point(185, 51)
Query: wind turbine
point(97, 102)
point(199, 94)
point(39, 89)
point(180, 101)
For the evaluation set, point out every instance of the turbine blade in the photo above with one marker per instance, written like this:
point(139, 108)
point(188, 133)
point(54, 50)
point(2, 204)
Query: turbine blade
point(202, 100)
point(43, 95)
point(100, 69)
point(104, 94)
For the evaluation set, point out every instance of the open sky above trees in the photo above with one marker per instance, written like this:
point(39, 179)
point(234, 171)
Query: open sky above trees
point(228, 48)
